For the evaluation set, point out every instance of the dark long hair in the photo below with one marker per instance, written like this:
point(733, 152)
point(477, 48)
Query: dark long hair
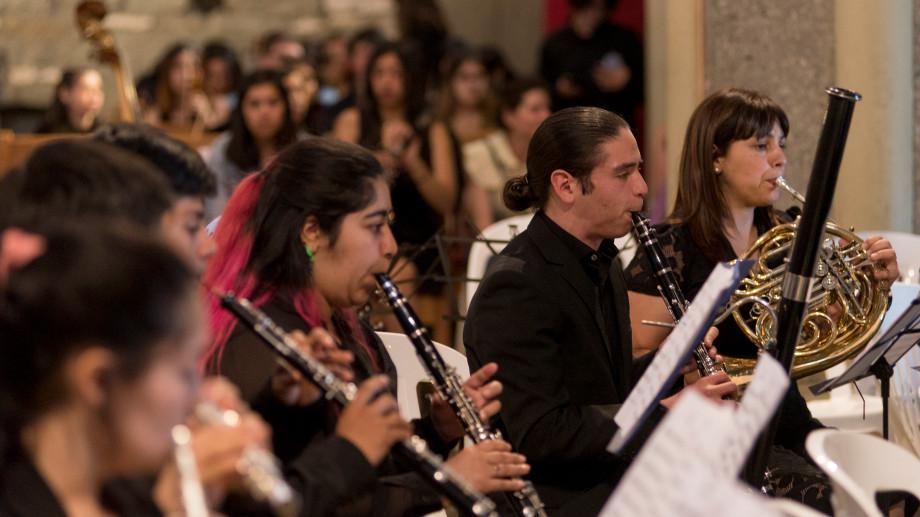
point(447, 105)
point(567, 140)
point(104, 286)
point(259, 250)
point(56, 119)
point(163, 96)
point(81, 179)
point(242, 149)
point(413, 90)
point(722, 118)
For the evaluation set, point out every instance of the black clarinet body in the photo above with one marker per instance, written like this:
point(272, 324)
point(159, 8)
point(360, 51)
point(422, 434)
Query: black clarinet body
point(414, 449)
point(669, 288)
point(526, 502)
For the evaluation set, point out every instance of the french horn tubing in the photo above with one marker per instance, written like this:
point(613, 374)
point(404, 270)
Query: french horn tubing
point(846, 304)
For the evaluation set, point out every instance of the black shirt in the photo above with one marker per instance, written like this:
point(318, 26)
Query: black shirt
point(565, 54)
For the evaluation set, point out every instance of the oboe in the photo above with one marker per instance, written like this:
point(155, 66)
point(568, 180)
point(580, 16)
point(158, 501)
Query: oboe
point(526, 502)
point(669, 288)
point(414, 449)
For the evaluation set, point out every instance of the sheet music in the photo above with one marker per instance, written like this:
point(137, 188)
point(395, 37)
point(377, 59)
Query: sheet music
point(675, 350)
point(683, 454)
point(760, 401)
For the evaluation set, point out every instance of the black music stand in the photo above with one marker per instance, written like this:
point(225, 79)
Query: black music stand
point(879, 360)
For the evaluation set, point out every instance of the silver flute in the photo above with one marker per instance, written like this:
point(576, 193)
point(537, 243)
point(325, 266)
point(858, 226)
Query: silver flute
point(526, 502)
point(413, 450)
point(260, 470)
point(191, 492)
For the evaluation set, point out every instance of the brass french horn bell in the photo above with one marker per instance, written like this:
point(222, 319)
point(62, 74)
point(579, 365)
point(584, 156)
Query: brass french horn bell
point(844, 278)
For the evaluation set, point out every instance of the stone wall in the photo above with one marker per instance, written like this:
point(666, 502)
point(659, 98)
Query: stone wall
point(39, 37)
point(784, 49)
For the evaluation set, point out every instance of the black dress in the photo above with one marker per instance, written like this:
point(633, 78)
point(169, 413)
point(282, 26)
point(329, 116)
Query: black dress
point(25, 493)
point(793, 475)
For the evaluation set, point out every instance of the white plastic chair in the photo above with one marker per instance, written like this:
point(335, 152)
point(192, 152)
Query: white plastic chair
point(790, 508)
point(410, 372)
point(844, 408)
point(860, 466)
point(481, 252)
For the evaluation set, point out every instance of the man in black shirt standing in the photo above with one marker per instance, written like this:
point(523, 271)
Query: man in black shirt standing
point(552, 309)
point(592, 62)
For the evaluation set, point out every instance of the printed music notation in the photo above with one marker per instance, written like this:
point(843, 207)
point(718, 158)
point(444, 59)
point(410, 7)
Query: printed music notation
point(683, 454)
point(761, 399)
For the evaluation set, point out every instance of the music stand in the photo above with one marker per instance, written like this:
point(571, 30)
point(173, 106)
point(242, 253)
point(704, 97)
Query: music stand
point(880, 358)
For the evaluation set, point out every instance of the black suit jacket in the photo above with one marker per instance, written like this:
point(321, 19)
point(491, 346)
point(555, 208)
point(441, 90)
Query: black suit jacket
point(536, 313)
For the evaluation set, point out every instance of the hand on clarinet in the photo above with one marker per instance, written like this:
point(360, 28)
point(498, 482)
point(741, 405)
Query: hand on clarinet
point(718, 387)
point(371, 422)
point(482, 390)
point(291, 388)
point(490, 466)
point(690, 371)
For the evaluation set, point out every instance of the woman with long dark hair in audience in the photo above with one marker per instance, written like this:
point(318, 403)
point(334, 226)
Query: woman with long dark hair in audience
point(100, 331)
point(260, 127)
point(78, 99)
point(467, 104)
point(499, 156)
point(419, 157)
point(172, 97)
point(733, 153)
point(302, 239)
point(221, 78)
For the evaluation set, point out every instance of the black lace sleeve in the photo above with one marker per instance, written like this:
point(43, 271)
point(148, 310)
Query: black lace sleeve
point(639, 275)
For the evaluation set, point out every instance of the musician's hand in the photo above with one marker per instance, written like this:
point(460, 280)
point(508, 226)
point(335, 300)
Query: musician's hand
point(884, 257)
point(219, 452)
point(290, 387)
point(484, 391)
point(690, 371)
point(371, 422)
point(491, 467)
point(717, 387)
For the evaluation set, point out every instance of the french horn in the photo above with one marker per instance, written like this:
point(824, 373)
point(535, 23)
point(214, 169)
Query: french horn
point(846, 304)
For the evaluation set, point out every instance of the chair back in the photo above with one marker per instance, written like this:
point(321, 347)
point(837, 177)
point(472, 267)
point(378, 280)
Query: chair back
point(861, 465)
point(410, 373)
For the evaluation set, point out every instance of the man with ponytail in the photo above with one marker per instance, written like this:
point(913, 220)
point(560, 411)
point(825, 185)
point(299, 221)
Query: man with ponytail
point(552, 310)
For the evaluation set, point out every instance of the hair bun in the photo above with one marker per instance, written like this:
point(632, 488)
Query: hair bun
point(518, 195)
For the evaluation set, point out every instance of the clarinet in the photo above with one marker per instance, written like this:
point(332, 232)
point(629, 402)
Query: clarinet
point(414, 449)
point(669, 288)
point(526, 502)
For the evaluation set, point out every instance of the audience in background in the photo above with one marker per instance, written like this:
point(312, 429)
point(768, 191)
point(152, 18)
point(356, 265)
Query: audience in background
point(222, 76)
point(78, 99)
point(593, 62)
point(502, 154)
point(260, 127)
point(172, 97)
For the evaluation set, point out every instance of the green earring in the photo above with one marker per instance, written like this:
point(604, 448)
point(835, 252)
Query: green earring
point(306, 248)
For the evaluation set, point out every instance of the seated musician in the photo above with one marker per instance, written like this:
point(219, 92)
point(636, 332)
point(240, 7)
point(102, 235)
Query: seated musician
point(100, 330)
point(302, 239)
point(732, 156)
point(552, 309)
